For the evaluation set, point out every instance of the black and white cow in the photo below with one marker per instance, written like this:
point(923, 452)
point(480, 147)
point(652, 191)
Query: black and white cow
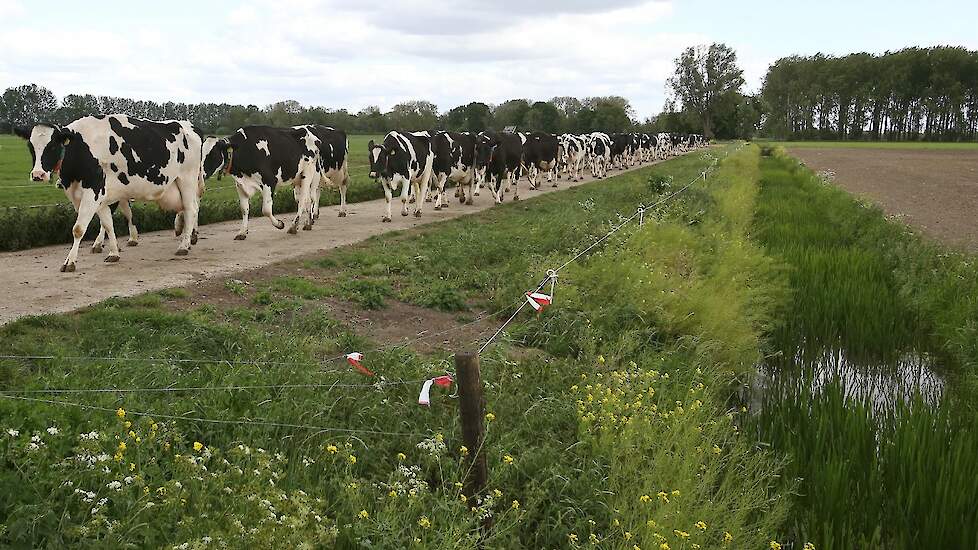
point(110, 159)
point(540, 155)
point(261, 158)
point(334, 150)
point(620, 146)
point(599, 151)
point(572, 153)
point(454, 162)
point(403, 159)
point(499, 159)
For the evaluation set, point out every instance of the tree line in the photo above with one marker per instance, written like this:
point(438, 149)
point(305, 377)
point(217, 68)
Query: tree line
point(911, 94)
point(30, 103)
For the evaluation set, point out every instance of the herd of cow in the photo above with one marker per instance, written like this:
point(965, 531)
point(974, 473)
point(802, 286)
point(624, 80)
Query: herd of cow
point(104, 162)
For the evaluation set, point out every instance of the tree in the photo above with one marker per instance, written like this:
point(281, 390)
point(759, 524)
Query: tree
point(702, 77)
point(28, 104)
point(542, 117)
point(478, 117)
point(510, 113)
point(414, 115)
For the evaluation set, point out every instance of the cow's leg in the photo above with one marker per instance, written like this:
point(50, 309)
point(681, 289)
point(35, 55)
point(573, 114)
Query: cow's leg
point(266, 207)
point(439, 190)
point(105, 219)
point(301, 190)
point(469, 183)
point(344, 182)
point(405, 191)
point(388, 196)
point(191, 206)
point(126, 210)
point(478, 182)
point(97, 245)
point(87, 207)
point(516, 185)
point(244, 202)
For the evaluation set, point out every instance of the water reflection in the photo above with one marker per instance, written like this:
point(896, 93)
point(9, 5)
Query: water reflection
point(882, 383)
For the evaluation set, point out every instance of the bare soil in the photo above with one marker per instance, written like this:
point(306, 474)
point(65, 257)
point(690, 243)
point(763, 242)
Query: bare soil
point(33, 284)
point(935, 191)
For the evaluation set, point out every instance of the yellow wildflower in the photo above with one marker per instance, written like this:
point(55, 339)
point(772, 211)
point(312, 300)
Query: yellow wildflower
point(681, 534)
point(364, 514)
point(497, 493)
point(155, 426)
point(463, 450)
point(716, 450)
point(572, 537)
point(775, 545)
point(424, 522)
point(132, 467)
point(727, 537)
point(644, 498)
point(128, 424)
point(662, 495)
point(121, 413)
point(198, 446)
point(352, 459)
point(401, 457)
point(628, 535)
point(700, 525)
point(515, 505)
point(664, 546)
point(808, 546)
point(675, 493)
point(118, 457)
point(601, 359)
point(331, 449)
point(122, 446)
point(490, 417)
point(508, 459)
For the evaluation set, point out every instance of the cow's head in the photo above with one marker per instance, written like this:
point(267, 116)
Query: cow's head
point(380, 157)
point(217, 154)
point(46, 144)
point(485, 147)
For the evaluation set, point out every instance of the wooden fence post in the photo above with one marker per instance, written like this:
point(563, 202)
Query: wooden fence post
point(472, 411)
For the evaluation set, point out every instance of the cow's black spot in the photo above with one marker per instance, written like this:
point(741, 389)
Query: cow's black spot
point(146, 141)
point(113, 145)
point(185, 144)
point(124, 178)
point(114, 167)
point(180, 155)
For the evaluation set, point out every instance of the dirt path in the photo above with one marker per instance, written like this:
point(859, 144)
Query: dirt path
point(933, 190)
point(33, 284)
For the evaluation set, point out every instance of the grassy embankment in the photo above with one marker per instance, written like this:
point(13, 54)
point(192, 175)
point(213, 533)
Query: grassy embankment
point(617, 429)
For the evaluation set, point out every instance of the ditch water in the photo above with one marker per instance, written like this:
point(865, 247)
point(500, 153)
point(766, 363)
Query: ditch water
point(883, 383)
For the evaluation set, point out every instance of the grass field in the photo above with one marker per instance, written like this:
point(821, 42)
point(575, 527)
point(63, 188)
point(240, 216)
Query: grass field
point(610, 380)
point(874, 144)
point(16, 188)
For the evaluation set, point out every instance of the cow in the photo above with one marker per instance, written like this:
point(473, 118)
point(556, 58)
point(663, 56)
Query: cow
point(260, 159)
point(334, 149)
point(540, 155)
point(109, 159)
point(599, 151)
point(405, 159)
point(620, 147)
point(499, 157)
point(572, 153)
point(454, 161)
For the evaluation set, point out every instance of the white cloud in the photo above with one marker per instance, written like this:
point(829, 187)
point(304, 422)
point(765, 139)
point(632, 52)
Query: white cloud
point(350, 53)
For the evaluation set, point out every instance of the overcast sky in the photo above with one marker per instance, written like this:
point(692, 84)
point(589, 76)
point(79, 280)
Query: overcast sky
point(354, 53)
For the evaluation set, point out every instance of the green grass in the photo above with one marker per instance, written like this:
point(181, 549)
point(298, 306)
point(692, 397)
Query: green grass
point(617, 429)
point(28, 227)
point(870, 477)
point(951, 146)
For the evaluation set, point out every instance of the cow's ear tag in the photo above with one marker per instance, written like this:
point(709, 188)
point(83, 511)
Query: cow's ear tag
point(67, 141)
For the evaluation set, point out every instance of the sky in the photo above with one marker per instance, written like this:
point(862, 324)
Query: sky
point(355, 53)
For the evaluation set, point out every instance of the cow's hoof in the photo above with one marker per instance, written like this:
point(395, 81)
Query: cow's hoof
point(111, 259)
point(182, 251)
point(194, 237)
point(411, 201)
point(96, 249)
point(241, 236)
point(469, 202)
point(554, 186)
point(438, 207)
point(417, 214)
point(136, 243)
point(404, 213)
point(280, 225)
point(68, 268)
point(342, 214)
point(293, 230)
point(307, 227)
point(516, 198)
point(428, 199)
point(385, 219)
point(476, 193)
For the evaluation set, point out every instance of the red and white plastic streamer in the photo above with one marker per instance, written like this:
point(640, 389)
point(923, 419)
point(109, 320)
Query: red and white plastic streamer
point(354, 359)
point(440, 381)
point(538, 300)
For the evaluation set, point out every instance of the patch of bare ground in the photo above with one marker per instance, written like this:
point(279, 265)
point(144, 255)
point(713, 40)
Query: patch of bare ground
point(935, 191)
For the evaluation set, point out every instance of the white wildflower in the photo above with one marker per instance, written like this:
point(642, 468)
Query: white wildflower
point(53, 430)
point(12, 432)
